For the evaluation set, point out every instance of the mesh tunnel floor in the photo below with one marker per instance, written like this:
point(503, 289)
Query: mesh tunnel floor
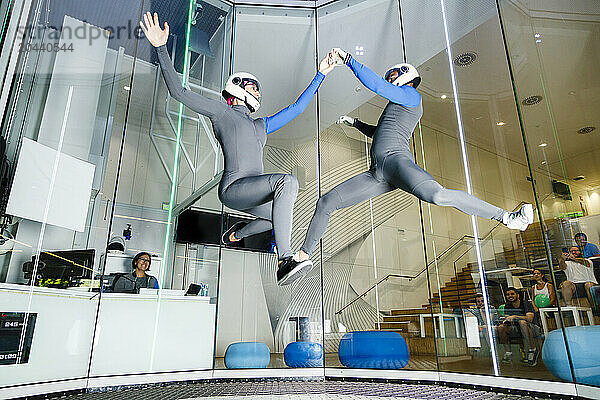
point(295, 390)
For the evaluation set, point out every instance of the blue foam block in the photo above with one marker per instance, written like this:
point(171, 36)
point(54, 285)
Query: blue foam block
point(373, 349)
point(585, 353)
point(247, 355)
point(303, 355)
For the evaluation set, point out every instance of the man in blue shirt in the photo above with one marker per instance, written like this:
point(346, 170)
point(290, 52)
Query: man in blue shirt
point(587, 249)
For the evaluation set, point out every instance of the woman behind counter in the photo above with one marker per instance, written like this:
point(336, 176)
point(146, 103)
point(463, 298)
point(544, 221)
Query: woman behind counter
point(134, 281)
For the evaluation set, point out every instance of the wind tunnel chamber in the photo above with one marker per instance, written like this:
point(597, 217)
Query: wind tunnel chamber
point(100, 164)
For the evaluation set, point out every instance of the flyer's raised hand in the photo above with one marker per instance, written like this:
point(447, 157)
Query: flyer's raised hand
point(327, 64)
point(151, 28)
point(339, 56)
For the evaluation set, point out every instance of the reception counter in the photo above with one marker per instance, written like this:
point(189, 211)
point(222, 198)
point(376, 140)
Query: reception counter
point(156, 331)
point(138, 333)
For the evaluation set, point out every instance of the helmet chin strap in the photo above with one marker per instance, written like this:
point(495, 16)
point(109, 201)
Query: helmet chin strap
point(248, 104)
point(232, 99)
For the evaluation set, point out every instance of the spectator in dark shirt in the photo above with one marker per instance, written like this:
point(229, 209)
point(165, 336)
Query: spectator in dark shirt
point(134, 281)
point(518, 322)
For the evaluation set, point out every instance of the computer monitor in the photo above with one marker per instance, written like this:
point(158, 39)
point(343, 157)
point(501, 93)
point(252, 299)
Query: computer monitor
point(66, 266)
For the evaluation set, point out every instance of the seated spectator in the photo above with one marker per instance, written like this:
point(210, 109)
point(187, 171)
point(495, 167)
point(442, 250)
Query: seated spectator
point(542, 287)
point(587, 249)
point(479, 312)
point(580, 275)
point(134, 281)
point(518, 323)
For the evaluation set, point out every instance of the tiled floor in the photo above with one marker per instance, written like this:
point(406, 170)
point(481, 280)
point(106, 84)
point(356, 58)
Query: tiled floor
point(296, 390)
point(469, 365)
point(417, 363)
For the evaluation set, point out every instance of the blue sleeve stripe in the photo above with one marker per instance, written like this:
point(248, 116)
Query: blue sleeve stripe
point(283, 117)
point(403, 95)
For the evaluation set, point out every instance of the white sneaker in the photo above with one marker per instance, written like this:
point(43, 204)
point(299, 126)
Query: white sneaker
point(519, 219)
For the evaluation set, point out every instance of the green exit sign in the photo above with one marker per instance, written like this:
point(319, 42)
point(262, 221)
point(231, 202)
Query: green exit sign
point(165, 206)
point(574, 214)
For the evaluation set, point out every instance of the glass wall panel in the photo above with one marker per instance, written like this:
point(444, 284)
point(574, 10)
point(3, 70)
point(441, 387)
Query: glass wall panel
point(448, 233)
point(475, 146)
point(554, 57)
point(372, 251)
point(66, 109)
point(166, 156)
point(277, 45)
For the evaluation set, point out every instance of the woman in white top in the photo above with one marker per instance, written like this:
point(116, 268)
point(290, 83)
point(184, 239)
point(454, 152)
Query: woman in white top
point(542, 286)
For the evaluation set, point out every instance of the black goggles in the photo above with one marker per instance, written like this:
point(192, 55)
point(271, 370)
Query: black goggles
point(243, 82)
point(402, 70)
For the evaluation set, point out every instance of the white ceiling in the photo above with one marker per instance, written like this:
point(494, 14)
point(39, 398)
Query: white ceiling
point(562, 68)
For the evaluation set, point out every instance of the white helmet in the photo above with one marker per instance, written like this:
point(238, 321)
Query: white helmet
point(235, 88)
point(406, 74)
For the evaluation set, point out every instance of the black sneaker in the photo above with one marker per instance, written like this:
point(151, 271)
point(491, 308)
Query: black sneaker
point(532, 356)
point(291, 270)
point(234, 228)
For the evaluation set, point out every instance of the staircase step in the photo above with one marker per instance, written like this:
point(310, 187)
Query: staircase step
point(464, 279)
point(400, 318)
point(467, 290)
point(424, 310)
point(457, 295)
point(462, 293)
point(392, 325)
point(446, 300)
point(451, 304)
point(462, 287)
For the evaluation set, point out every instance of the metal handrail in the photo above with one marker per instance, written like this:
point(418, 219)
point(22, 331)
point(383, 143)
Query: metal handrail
point(465, 237)
point(409, 277)
point(195, 196)
point(371, 288)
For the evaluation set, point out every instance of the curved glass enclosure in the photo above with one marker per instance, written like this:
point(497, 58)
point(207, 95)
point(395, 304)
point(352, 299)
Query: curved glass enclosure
point(113, 269)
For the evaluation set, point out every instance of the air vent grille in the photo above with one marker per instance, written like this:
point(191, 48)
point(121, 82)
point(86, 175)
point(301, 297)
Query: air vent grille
point(532, 100)
point(464, 59)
